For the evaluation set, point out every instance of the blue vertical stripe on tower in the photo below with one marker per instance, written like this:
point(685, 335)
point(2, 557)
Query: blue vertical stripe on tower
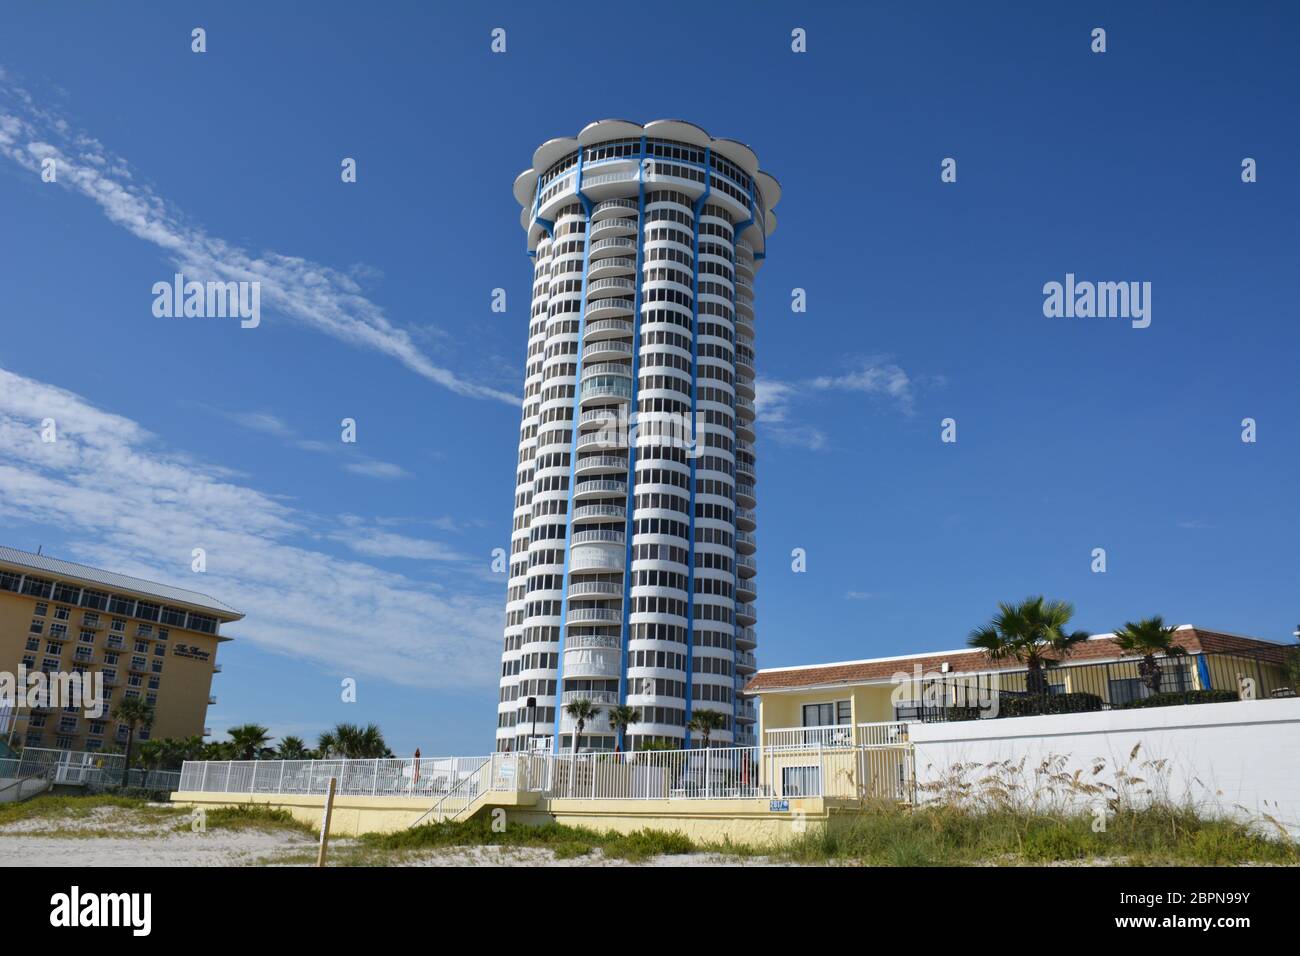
point(735, 419)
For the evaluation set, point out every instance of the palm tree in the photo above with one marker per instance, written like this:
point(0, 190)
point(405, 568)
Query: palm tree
point(1149, 637)
point(351, 741)
point(291, 748)
point(581, 710)
point(133, 712)
point(622, 717)
point(704, 722)
point(1033, 633)
point(249, 740)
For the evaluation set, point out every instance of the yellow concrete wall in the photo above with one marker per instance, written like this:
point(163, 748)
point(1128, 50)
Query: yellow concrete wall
point(749, 821)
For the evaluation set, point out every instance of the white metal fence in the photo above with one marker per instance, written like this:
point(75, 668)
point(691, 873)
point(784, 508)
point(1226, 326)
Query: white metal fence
point(427, 776)
point(85, 769)
point(815, 766)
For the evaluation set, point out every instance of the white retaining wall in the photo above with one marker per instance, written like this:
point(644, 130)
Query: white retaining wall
point(1240, 758)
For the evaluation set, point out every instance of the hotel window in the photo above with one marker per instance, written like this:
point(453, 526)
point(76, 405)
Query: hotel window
point(147, 611)
point(800, 781)
point(110, 657)
point(159, 651)
point(142, 647)
point(9, 580)
point(117, 625)
point(94, 744)
point(66, 593)
point(163, 633)
point(50, 664)
point(95, 599)
point(144, 630)
point(121, 605)
point(53, 647)
point(109, 675)
point(87, 637)
point(34, 738)
point(68, 725)
point(33, 643)
point(38, 721)
point(63, 742)
point(151, 699)
point(154, 682)
point(90, 619)
point(62, 613)
point(173, 616)
point(134, 680)
point(157, 667)
point(36, 626)
point(830, 714)
point(29, 661)
point(97, 729)
point(59, 632)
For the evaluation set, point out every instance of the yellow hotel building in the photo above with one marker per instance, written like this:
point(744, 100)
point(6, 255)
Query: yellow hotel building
point(147, 640)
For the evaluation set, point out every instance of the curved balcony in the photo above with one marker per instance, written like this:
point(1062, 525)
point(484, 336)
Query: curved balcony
point(587, 662)
point(745, 406)
point(587, 589)
point(612, 208)
point(746, 614)
point(745, 388)
point(746, 662)
point(600, 513)
point(601, 464)
point(745, 495)
point(613, 246)
point(745, 543)
point(598, 537)
point(599, 417)
point(609, 308)
point(601, 440)
point(593, 615)
point(612, 286)
point(746, 590)
point(619, 369)
point(606, 641)
point(597, 559)
point(607, 329)
point(595, 696)
point(746, 638)
point(746, 567)
point(746, 714)
point(744, 360)
point(607, 389)
point(613, 266)
point(606, 349)
point(600, 488)
point(617, 227)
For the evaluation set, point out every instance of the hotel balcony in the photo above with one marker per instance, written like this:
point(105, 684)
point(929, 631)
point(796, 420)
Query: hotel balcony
point(599, 513)
point(610, 308)
point(606, 350)
point(746, 638)
point(607, 329)
point(746, 661)
point(601, 487)
point(745, 614)
point(613, 246)
point(598, 537)
point(601, 464)
point(593, 615)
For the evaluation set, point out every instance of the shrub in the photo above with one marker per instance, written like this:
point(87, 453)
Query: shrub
point(1048, 704)
point(1181, 697)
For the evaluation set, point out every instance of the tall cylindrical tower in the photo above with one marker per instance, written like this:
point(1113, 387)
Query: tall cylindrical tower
point(632, 555)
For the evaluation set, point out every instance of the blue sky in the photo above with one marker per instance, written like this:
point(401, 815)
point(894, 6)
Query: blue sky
point(372, 560)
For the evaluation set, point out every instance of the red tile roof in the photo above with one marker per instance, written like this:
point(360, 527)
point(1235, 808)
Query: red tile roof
point(1101, 647)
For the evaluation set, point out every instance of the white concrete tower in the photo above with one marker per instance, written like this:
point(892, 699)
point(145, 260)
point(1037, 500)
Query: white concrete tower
point(632, 553)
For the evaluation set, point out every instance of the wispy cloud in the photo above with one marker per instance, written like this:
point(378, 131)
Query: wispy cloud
point(775, 400)
point(127, 503)
point(265, 423)
point(315, 295)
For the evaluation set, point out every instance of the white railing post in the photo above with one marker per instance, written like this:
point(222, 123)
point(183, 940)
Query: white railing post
point(203, 786)
point(374, 779)
point(279, 786)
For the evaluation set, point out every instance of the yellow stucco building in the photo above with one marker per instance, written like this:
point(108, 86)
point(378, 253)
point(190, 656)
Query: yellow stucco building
point(145, 640)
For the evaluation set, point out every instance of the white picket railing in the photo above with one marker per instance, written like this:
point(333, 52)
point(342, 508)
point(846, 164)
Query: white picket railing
point(878, 765)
